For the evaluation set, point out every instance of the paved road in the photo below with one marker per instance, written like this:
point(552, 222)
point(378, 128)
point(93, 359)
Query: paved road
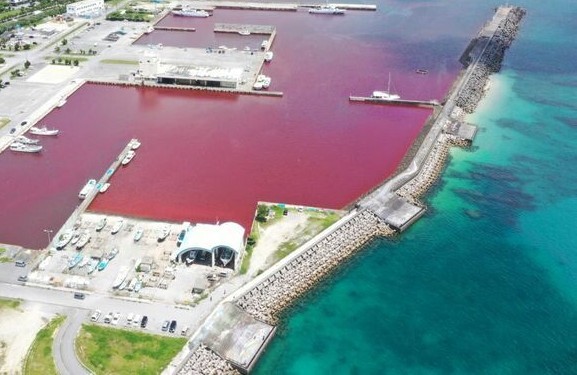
point(63, 346)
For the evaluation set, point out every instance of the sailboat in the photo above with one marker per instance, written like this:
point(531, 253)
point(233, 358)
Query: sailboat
point(385, 95)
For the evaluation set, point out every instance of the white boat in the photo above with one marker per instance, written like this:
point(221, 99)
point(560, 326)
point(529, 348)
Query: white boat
point(138, 286)
point(61, 103)
point(138, 234)
point(25, 141)
point(75, 238)
point(128, 157)
point(122, 273)
point(134, 144)
point(19, 147)
point(113, 253)
point(327, 9)
point(132, 284)
point(257, 86)
point(104, 187)
point(149, 29)
point(87, 189)
point(164, 232)
point(268, 56)
point(43, 131)
point(64, 239)
point(117, 226)
point(84, 262)
point(385, 95)
point(74, 261)
point(124, 284)
point(264, 44)
point(92, 266)
point(101, 224)
point(191, 13)
point(262, 82)
point(83, 240)
point(244, 32)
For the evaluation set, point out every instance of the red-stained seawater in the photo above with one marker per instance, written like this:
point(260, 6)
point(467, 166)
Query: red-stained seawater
point(208, 157)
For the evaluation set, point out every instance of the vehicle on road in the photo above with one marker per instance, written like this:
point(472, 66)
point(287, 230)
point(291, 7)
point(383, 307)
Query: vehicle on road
point(23, 278)
point(184, 331)
point(96, 315)
point(165, 325)
point(116, 318)
point(78, 295)
point(172, 326)
point(144, 321)
point(20, 263)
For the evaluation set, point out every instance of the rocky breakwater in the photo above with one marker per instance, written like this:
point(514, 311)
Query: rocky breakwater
point(278, 291)
point(204, 361)
point(491, 56)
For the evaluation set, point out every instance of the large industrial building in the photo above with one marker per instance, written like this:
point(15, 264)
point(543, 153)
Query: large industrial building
point(85, 8)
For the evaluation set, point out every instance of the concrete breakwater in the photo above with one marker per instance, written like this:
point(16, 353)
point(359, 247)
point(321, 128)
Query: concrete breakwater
point(270, 297)
point(204, 361)
point(491, 45)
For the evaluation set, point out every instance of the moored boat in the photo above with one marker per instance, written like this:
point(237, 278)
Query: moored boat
point(164, 232)
point(385, 95)
point(122, 273)
point(74, 261)
point(244, 32)
point(226, 256)
point(101, 224)
point(104, 187)
point(134, 144)
point(43, 131)
point(422, 71)
point(138, 234)
point(268, 56)
point(128, 157)
point(64, 239)
point(87, 189)
point(102, 264)
point(92, 266)
point(19, 147)
point(83, 240)
point(149, 29)
point(113, 253)
point(61, 103)
point(117, 226)
point(25, 140)
point(264, 44)
point(132, 284)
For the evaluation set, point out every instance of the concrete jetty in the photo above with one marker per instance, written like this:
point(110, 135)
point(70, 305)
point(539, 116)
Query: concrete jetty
point(165, 28)
point(237, 28)
point(389, 209)
point(410, 103)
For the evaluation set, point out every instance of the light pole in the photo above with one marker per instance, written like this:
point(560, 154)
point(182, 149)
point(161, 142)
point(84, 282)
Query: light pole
point(49, 232)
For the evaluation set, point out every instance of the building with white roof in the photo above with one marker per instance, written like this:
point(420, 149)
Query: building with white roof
point(85, 8)
point(222, 244)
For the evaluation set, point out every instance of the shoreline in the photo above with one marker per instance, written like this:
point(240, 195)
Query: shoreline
point(266, 297)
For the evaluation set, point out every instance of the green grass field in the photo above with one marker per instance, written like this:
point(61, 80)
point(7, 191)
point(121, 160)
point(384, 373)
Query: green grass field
point(40, 360)
point(9, 303)
point(116, 351)
point(118, 61)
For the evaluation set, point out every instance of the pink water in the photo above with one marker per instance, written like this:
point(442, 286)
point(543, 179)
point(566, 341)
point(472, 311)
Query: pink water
point(208, 157)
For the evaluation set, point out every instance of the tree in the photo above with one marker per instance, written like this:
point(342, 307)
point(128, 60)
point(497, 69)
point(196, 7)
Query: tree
point(64, 41)
point(68, 50)
point(262, 213)
point(76, 62)
point(53, 61)
point(27, 64)
point(2, 60)
point(57, 49)
point(26, 47)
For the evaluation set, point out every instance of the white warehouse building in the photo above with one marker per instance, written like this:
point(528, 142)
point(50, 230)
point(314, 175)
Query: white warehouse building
point(85, 8)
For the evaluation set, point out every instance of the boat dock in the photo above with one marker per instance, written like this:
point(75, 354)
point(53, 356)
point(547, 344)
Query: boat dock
point(237, 28)
point(165, 28)
point(370, 7)
point(256, 6)
point(411, 103)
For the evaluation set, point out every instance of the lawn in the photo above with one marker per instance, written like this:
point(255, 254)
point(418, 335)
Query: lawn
point(9, 303)
point(118, 61)
point(116, 351)
point(39, 359)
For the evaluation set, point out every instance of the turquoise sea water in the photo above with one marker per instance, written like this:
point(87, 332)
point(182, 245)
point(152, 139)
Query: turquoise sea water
point(486, 283)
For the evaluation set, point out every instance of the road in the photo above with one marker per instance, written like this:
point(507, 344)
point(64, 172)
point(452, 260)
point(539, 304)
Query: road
point(63, 348)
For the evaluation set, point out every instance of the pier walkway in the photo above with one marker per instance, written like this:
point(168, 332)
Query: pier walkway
point(411, 103)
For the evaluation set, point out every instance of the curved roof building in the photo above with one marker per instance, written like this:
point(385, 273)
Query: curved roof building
point(223, 242)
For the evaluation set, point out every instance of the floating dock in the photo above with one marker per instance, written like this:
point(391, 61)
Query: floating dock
point(411, 103)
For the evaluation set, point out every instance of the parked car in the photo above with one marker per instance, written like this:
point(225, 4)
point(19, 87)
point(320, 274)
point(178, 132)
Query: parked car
point(116, 318)
point(165, 325)
point(20, 263)
point(96, 315)
point(129, 318)
point(136, 320)
point(144, 321)
point(108, 318)
point(184, 331)
point(172, 326)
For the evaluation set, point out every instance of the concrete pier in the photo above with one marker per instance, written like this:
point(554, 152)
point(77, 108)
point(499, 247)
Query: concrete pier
point(165, 28)
point(410, 103)
point(237, 28)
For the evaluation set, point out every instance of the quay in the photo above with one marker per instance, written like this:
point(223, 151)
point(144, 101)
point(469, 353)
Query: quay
point(370, 7)
point(256, 6)
point(389, 209)
point(166, 28)
point(410, 103)
point(236, 28)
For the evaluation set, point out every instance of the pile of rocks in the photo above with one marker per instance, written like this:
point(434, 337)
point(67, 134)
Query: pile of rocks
point(204, 361)
point(282, 288)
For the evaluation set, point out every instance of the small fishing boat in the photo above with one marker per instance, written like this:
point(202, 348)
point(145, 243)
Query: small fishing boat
point(138, 286)
point(226, 256)
point(83, 240)
point(75, 238)
point(61, 103)
point(138, 234)
point(268, 56)
point(64, 239)
point(422, 71)
point(164, 232)
point(101, 224)
point(128, 157)
point(117, 226)
point(43, 131)
point(19, 147)
point(244, 32)
point(25, 140)
point(132, 284)
point(84, 262)
point(102, 264)
point(264, 44)
point(104, 187)
point(92, 266)
point(122, 273)
point(74, 261)
point(327, 9)
point(134, 144)
point(87, 189)
point(124, 284)
point(113, 253)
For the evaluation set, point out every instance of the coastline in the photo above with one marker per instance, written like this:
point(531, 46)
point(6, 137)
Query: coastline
point(265, 297)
